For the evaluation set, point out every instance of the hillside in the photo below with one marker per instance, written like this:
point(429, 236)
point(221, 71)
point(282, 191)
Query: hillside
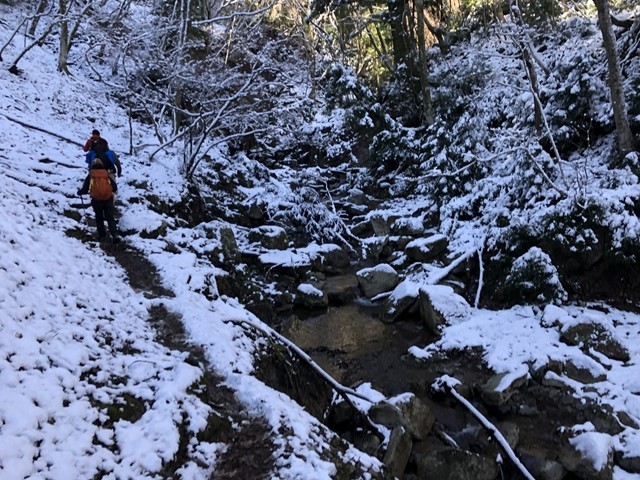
point(165, 356)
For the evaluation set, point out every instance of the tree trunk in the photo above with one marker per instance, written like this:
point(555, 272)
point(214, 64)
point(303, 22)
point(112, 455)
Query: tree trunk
point(63, 54)
point(399, 35)
point(423, 67)
point(36, 19)
point(623, 130)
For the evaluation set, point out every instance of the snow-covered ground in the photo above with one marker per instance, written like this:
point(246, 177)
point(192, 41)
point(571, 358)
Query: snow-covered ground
point(74, 337)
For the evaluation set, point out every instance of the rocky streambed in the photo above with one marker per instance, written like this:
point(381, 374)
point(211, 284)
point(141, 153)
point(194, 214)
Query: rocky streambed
point(341, 314)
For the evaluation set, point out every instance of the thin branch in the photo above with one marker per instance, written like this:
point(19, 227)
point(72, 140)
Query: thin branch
point(449, 385)
point(40, 129)
point(561, 191)
point(443, 272)
point(476, 302)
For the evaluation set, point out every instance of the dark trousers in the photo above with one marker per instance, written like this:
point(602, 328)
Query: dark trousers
point(104, 210)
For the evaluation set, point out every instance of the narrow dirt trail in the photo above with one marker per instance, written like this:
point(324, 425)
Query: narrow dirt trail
point(250, 450)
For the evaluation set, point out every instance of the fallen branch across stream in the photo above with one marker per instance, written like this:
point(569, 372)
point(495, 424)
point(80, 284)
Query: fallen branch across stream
point(448, 384)
point(344, 392)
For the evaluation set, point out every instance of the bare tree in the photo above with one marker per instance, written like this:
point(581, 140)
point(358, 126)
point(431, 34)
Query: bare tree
point(623, 130)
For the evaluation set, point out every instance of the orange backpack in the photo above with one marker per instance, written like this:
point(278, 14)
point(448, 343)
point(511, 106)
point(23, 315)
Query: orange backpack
point(100, 185)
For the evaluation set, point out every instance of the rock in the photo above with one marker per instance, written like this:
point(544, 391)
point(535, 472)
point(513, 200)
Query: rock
point(380, 226)
point(413, 227)
point(378, 279)
point(368, 443)
point(362, 229)
point(376, 247)
point(311, 297)
point(456, 464)
point(629, 461)
point(406, 410)
point(432, 318)
point(417, 416)
point(439, 304)
point(542, 467)
point(583, 373)
point(331, 259)
point(229, 245)
point(398, 452)
point(594, 335)
point(255, 212)
point(499, 389)
point(159, 231)
point(511, 433)
point(426, 249)
point(357, 197)
point(341, 289)
point(400, 300)
point(270, 237)
point(588, 455)
point(386, 414)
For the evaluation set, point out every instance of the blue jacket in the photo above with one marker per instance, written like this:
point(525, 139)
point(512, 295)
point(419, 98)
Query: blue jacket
point(88, 158)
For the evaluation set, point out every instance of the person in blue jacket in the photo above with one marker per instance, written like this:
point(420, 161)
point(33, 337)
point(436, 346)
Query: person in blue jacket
point(98, 147)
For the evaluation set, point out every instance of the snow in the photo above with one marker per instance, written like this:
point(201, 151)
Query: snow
point(310, 290)
point(382, 267)
point(75, 338)
point(76, 342)
point(593, 445)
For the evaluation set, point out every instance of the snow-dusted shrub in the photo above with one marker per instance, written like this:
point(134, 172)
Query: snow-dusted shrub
point(456, 85)
point(575, 108)
point(394, 149)
point(576, 236)
point(307, 216)
point(533, 278)
point(632, 90)
point(402, 98)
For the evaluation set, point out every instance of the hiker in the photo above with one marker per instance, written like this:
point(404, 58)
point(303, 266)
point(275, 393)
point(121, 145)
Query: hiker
point(98, 147)
point(101, 187)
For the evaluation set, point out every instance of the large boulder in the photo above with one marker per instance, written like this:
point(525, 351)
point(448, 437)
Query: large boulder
point(330, 258)
point(270, 237)
point(412, 226)
point(378, 279)
point(440, 305)
point(401, 299)
point(500, 388)
point(427, 249)
point(341, 289)
point(588, 455)
point(380, 226)
point(398, 452)
point(592, 335)
point(229, 245)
